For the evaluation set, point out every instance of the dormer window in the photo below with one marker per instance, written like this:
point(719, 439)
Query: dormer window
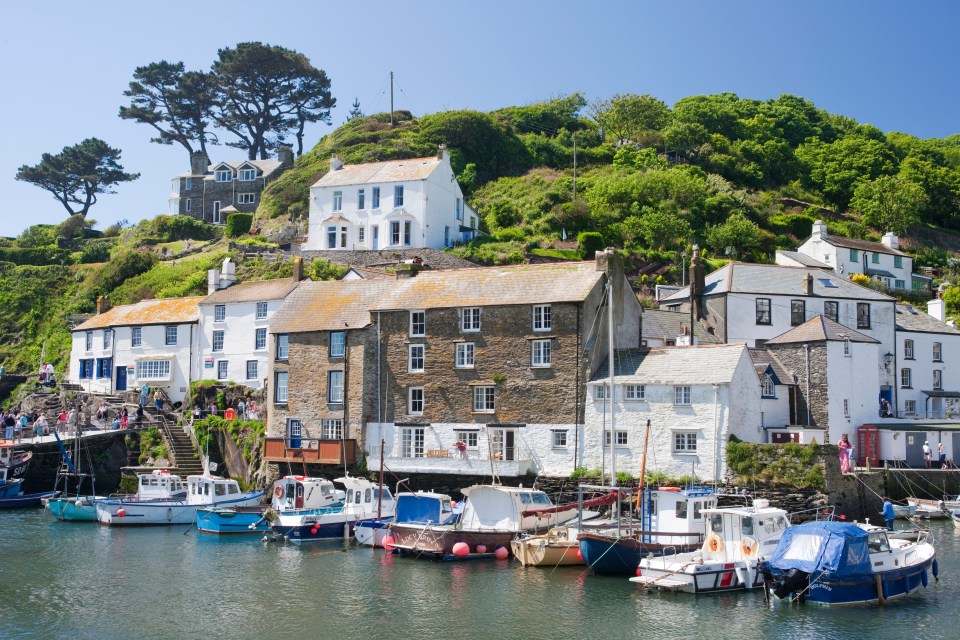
point(246, 175)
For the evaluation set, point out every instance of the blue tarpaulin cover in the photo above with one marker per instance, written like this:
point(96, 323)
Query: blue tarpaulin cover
point(835, 547)
point(412, 507)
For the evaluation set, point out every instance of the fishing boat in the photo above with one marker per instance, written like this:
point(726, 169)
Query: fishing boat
point(738, 538)
point(493, 515)
point(178, 503)
point(557, 547)
point(904, 511)
point(421, 507)
point(833, 563)
point(288, 494)
point(933, 509)
point(13, 462)
point(363, 500)
point(72, 505)
point(11, 486)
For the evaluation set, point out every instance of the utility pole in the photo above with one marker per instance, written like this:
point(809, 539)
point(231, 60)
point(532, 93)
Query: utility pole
point(391, 99)
point(574, 136)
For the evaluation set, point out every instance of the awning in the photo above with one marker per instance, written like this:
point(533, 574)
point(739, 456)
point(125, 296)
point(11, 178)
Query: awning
point(882, 274)
point(940, 393)
point(156, 356)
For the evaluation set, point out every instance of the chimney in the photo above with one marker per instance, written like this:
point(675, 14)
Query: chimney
point(442, 152)
point(103, 304)
point(407, 270)
point(285, 156)
point(819, 231)
point(297, 269)
point(937, 309)
point(697, 284)
point(199, 163)
point(890, 240)
point(808, 285)
point(213, 280)
point(335, 163)
point(228, 273)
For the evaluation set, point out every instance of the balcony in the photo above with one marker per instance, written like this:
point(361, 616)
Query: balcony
point(312, 450)
point(941, 415)
point(451, 462)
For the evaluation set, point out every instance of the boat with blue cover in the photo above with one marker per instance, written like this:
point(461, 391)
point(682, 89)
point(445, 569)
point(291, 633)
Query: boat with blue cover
point(364, 500)
point(420, 507)
point(833, 563)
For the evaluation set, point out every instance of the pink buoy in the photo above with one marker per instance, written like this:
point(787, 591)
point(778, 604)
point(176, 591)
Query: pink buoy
point(388, 543)
point(481, 548)
point(639, 573)
point(579, 555)
point(453, 504)
point(501, 553)
point(461, 549)
point(313, 531)
point(121, 513)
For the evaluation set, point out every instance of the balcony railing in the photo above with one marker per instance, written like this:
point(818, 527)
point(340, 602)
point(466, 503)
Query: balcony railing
point(311, 450)
point(942, 414)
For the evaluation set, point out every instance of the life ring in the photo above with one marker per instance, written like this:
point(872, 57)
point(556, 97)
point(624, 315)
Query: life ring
point(749, 547)
point(278, 491)
point(714, 543)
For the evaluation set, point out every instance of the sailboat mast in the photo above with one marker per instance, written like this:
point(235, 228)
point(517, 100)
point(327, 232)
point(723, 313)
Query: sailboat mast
point(380, 491)
point(612, 391)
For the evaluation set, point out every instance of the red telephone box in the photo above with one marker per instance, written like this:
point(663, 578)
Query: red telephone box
point(868, 445)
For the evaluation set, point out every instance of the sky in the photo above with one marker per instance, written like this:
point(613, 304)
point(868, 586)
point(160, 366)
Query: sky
point(66, 65)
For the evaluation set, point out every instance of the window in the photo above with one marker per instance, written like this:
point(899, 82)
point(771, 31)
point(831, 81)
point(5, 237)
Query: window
point(418, 324)
point(558, 439)
point(767, 388)
point(898, 262)
point(831, 310)
point(540, 356)
point(470, 319)
point(246, 175)
point(798, 312)
point(763, 310)
point(136, 336)
point(854, 255)
point(681, 395)
point(542, 317)
point(470, 438)
point(188, 184)
point(283, 346)
point(908, 349)
point(251, 369)
point(876, 258)
point(411, 442)
point(937, 379)
point(375, 198)
point(620, 438)
point(219, 313)
point(684, 441)
point(395, 232)
point(459, 209)
point(260, 339)
point(634, 392)
point(464, 355)
point(899, 284)
point(218, 340)
point(188, 205)
point(473, 222)
point(104, 367)
point(937, 352)
point(361, 199)
point(171, 335)
point(224, 175)
point(281, 391)
point(86, 369)
point(107, 338)
point(338, 344)
point(415, 360)
point(407, 226)
point(343, 237)
point(331, 429)
point(905, 378)
point(863, 315)
point(222, 369)
point(398, 196)
point(331, 237)
point(153, 370)
point(600, 391)
point(88, 341)
point(910, 406)
point(361, 234)
point(261, 310)
point(338, 200)
point(846, 405)
point(415, 401)
point(335, 387)
point(846, 346)
point(484, 399)
point(246, 198)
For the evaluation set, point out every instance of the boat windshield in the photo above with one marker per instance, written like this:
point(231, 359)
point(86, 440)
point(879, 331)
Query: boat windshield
point(525, 498)
point(716, 522)
point(746, 526)
point(682, 509)
point(541, 498)
point(877, 542)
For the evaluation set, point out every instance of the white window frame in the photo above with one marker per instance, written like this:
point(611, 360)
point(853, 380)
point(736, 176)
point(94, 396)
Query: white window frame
point(908, 349)
point(88, 341)
point(338, 200)
point(846, 347)
point(469, 438)
point(219, 312)
point(846, 407)
point(682, 395)
point(767, 388)
point(600, 392)
point(906, 378)
point(464, 355)
point(910, 407)
point(541, 353)
point(484, 399)
point(635, 392)
point(415, 401)
point(684, 442)
point(395, 233)
point(558, 438)
point(107, 338)
point(170, 335)
point(331, 429)
point(283, 346)
point(621, 438)
point(335, 390)
point(416, 357)
point(247, 175)
point(153, 370)
point(260, 339)
point(418, 324)
point(470, 319)
point(282, 390)
point(262, 310)
point(223, 369)
point(216, 342)
point(938, 379)
point(542, 317)
point(136, 336)
point(375, 198)
point(223, 175)
point(361, 234)
point(397, 196)
point(254, 364)
point(337, 344)
point(246, 198)
point(937, 352)
point(412, 442)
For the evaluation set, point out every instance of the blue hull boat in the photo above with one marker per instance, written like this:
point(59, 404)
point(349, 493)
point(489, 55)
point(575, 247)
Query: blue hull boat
point(26, 500)
point(74, 509)
point(232, 520)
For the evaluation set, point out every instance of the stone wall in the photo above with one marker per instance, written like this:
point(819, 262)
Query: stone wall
point(107, 451)
point(794, 359)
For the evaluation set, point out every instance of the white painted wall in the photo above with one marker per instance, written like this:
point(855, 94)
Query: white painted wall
point(921, 368)
point(848, 379)
point(840, 256)
point(239, 327)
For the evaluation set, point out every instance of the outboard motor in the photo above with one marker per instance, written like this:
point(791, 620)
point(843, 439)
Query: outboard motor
point(792, 582)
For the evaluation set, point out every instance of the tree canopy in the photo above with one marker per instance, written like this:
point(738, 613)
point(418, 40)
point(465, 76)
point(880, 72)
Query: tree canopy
point(78, 174)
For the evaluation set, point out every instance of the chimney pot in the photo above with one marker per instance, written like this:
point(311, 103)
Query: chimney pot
point(441, 151)
point(297, 269)
point(335, 163)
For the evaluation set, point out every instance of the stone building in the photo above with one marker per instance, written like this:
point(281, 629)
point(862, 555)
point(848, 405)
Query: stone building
point(211, 192)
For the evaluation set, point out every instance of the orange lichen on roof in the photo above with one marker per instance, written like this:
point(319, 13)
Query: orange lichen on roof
point(329, 305)
point(162, 311)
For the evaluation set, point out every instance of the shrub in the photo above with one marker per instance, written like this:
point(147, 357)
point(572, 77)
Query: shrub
point(38, 256)
point(860, 278)
point(238, 224)
point(589, 243)
point(95, 251)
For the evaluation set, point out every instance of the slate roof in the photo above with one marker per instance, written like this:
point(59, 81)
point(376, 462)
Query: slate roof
point(909, 318)
point(821, 329)
point(666, 325)
point(253, 291)
point(380, 172)
point(707, 364)
point(266, 168)
point(862, 245)
point(329, 305)
point(517, 284)
point(776, 279)
point(147, 312)
point(804, 259)
point(763, 359)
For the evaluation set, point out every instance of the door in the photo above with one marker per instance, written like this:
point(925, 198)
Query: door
point(299, 501)
point(294, 434)
point(952, 453)
point(781, 437)
point(915, 448)
point(122, 378)
point(216, 212)
point(886, 393)
point(503, 444)
point(375, 229)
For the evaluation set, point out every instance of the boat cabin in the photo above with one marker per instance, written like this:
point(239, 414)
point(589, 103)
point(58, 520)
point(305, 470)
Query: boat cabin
point(302, 492)
point(6, 453)
point(160, 485)
point(208, 490)
point(674, 510)
point(743, 533)
point(363, 496)
point(502, 507)
point(425, 508)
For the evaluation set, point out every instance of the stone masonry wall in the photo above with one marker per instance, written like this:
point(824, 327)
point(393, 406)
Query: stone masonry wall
point(794, 359)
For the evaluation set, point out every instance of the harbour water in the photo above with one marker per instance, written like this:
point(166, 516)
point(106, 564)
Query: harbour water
point(78, 581)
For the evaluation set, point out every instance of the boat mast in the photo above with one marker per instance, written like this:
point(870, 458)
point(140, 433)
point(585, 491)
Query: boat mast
point(380, 491)
point(611, 392)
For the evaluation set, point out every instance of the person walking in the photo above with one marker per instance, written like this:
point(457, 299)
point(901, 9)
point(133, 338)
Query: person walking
point(888, 513)
point(124, 418)
point(144, 392)
point(158, 400)
point(844, 447)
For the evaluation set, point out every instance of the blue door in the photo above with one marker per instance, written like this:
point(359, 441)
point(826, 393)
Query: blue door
point(376, 237)
point(294, 434)
point(122, 378)
point(886, 393)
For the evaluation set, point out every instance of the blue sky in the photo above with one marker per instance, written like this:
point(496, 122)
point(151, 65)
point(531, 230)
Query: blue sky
point(66, 65)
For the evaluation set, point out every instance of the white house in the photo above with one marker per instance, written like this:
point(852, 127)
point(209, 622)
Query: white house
point(778, 399)
point(152, 342)
point(234, 322)
point(694, 399)
point(928, 366)
point(399, 204)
